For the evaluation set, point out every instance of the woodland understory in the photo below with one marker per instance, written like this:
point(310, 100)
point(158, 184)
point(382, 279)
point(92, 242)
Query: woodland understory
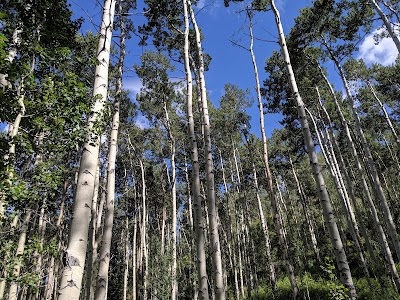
point(197, 204)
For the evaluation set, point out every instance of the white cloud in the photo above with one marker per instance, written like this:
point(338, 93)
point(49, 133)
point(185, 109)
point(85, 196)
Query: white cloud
point(384, 53)
point(142, 122)
point(201, 4)
point(209, 6)
point(133, 85)
point(281, 5)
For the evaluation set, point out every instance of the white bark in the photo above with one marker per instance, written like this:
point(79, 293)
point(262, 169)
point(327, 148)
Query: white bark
point(13, 290)
point(341, 259)
point(387, 23)
point(219, 285)
point(270, 187)
point(374, 212)
point(387, 118)
point(72, 274)
point(105, 252)
point(92, 255)
point(198, 214)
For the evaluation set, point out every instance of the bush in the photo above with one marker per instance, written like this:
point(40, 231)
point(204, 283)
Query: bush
point(322, 289)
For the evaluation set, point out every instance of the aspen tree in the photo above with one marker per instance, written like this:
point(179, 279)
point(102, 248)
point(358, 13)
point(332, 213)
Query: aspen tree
point(352, 225)
point(375, 216)
point(75, 255)
point(385, 113)
point(105, 255)
point(387, 23)
point(92, 255)
point(370, 161)
point(52, 266)
point(310, 225)
point(219, 285)
point(13, 290)
point(197, 215)
point(341, 259)
point(270, 186)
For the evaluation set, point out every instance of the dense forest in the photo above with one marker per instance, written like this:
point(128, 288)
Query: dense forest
point(197, 204)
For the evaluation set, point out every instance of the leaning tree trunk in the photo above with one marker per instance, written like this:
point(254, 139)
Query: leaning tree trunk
point(385, 113)
point(219, 285)
point(198, 214)
point(308, 220)
point(377, 223)
point(345, 201)
point(370, 161)
point(387, 23)
point(336, 240)
point(75, 256)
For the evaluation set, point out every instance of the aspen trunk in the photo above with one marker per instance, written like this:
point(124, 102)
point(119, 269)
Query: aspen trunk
point(387, 23)
point(341, 259)
point(371, 164)
point(388, 121)
point(134, 258)
point(198, 214)
point(190, 217)
point(72, 274)
point(306, 214)
point(377, 223)
point(126, 255)
point(270, 187)
point(350, 218)
point(219, 285)
point(52, 268)
point(92, 256)
point(13, 290)
point(174, 283)
point(230, 244)
point(105, 252)
point(38, 257)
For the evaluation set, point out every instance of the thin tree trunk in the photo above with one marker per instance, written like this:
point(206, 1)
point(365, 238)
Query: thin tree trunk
point(378, 225)
point(52, 268)
point(174, 282)
point(13, 290)
point(306, 214)
point(190, 217)
point(75, 257)
point(371, 164)
point(126, 261)
point(341, 259)
point(38, 255)
point(388, 121)
point(134, 258)
point(270, 186)
point(219, 285)
point(198, 214)
point(387, 23)
point(105, 252)
point(92, 256)
point(341, 189)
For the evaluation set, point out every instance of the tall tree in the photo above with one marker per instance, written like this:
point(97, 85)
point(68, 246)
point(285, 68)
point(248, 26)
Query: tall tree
point(341, 259)
point(75, 256)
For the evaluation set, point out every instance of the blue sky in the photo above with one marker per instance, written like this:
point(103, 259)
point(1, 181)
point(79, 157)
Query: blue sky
point(230, 64)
